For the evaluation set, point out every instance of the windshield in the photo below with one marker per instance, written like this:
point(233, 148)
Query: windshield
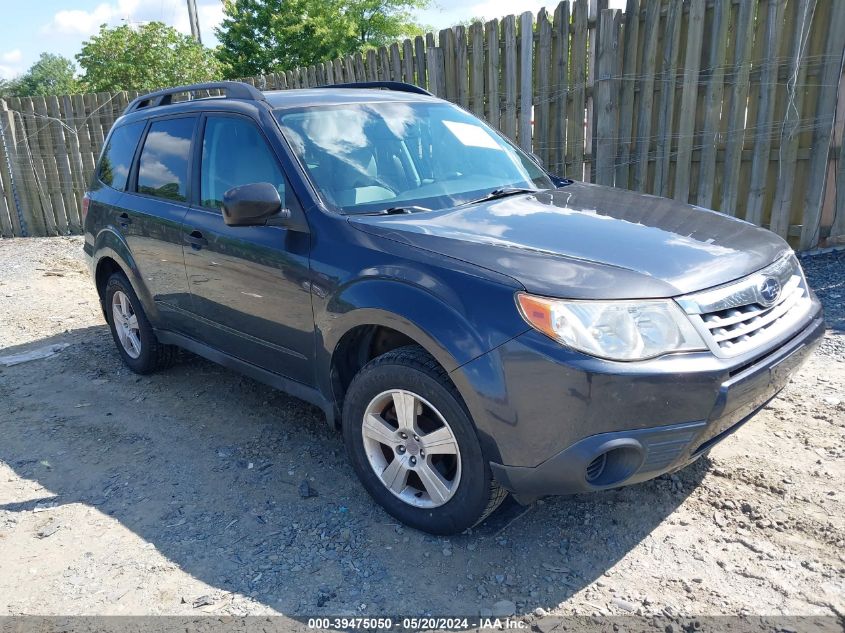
point(369, 157)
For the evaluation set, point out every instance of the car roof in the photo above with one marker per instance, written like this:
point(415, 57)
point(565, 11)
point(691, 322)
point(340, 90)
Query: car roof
point(304, 97)
point(275, 99)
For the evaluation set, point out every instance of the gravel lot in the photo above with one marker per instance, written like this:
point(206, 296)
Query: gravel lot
point(179, 493)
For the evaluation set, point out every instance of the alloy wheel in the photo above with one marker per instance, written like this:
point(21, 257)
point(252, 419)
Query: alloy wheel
point(126, 324)
point(411, 448)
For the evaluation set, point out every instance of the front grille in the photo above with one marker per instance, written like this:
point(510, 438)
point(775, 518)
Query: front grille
point(738, 318)
point(737, 328)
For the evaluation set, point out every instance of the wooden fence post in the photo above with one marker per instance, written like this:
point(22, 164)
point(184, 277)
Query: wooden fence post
point(595, 8)
point(419, 61)
point(491, 69)
point(765, 111)
point(838, 228)
point(461, 67)
point(434, 64)
point(526, 78)
point(825, 109)
point(788, 152)
point(67, 179)
point(605, 99)
point(713, 102)
point(408, 62)
point(508, 125)
point(450, 79)
point(559, 113)
point(689, 99)
point(642, 147)
point(630, 33)
point(27, 173)
point(666, 111)
point(9, 206)
point(476, 73)
point(36, 146)
point(575, 136)
point(744, 34)
point(543, 68)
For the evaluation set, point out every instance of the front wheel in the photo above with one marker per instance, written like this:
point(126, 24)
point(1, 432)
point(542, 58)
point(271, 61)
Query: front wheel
point(412, 444)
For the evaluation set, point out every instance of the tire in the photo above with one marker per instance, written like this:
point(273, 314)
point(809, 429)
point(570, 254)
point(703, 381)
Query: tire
point(141, 352)
point(463, 493)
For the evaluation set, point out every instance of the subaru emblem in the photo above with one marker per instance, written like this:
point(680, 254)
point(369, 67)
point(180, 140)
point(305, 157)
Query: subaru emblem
point(769, 291)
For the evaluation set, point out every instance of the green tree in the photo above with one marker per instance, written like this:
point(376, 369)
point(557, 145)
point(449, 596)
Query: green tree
point(8, 87)
point(381, 22)
point(144, 58)
point(259, 36)
point(50, 75)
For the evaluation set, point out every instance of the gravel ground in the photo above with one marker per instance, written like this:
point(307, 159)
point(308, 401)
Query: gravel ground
point(180, 493)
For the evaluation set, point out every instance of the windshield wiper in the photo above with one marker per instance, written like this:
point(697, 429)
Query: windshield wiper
point(503, 192)
point(397, 210)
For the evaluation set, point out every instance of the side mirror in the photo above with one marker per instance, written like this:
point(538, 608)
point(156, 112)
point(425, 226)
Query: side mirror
point(251, 205)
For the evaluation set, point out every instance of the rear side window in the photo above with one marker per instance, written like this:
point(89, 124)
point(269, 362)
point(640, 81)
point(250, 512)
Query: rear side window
point(117, 157)
point(165, 159)
point(234, 153)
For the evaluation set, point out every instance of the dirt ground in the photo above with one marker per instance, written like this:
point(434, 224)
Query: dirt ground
point(179, 493)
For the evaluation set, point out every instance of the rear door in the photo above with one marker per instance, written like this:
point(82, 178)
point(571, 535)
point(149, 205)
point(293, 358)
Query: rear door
point(249, 285)
point(153, 211)
point(106, 194)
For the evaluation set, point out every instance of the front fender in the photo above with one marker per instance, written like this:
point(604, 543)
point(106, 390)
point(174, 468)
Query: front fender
point(454, 326)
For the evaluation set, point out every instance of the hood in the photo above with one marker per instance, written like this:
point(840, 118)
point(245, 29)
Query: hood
point(585, 241)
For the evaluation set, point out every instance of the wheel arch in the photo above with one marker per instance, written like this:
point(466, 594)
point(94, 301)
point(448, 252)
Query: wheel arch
point(111, 255)
point(375, 316)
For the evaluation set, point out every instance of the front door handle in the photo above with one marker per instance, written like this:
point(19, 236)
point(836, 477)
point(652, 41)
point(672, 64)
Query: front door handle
point(196, 240)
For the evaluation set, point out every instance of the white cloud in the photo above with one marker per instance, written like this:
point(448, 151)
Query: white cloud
point(12, 57)
point(211, 15)
point(164, 144)
point(80, 22)
point(11, 64)
point(156, 174)
point(172, 12)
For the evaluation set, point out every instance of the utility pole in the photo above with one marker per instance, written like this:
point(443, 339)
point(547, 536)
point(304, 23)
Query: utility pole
point(194, 20)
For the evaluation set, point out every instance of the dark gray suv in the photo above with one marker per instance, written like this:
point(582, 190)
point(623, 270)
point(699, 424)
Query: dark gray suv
point(474, 324)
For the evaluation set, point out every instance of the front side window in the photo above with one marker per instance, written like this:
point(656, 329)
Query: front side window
point(117, 157)
point(164, 165)
point(234, 153)
point(371, 156)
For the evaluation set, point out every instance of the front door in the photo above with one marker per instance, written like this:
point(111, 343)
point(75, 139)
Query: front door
point(249, 285)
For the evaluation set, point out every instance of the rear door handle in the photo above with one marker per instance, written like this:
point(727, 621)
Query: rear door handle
point(196, 240)
point(123, 220)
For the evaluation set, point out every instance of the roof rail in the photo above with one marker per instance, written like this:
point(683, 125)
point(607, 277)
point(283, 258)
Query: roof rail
point(399, 86)
point(232, 89)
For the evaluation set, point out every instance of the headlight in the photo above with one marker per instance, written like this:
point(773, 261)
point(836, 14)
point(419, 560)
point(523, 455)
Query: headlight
point(616, 330)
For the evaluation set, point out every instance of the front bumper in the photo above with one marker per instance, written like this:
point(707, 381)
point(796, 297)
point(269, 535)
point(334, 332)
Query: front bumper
point(557, 420)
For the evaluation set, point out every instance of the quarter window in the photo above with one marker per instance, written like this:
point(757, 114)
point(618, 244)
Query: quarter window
point(117, 157)
point(234, 153)
point(163, 168)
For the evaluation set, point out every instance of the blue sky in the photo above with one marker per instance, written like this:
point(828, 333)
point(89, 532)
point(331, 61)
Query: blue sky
point(60, 26)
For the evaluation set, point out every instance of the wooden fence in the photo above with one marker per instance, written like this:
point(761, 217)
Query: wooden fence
point(736, 105)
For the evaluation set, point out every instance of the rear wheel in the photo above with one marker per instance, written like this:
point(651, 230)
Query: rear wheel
point(133, 335)
point(412, 444)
